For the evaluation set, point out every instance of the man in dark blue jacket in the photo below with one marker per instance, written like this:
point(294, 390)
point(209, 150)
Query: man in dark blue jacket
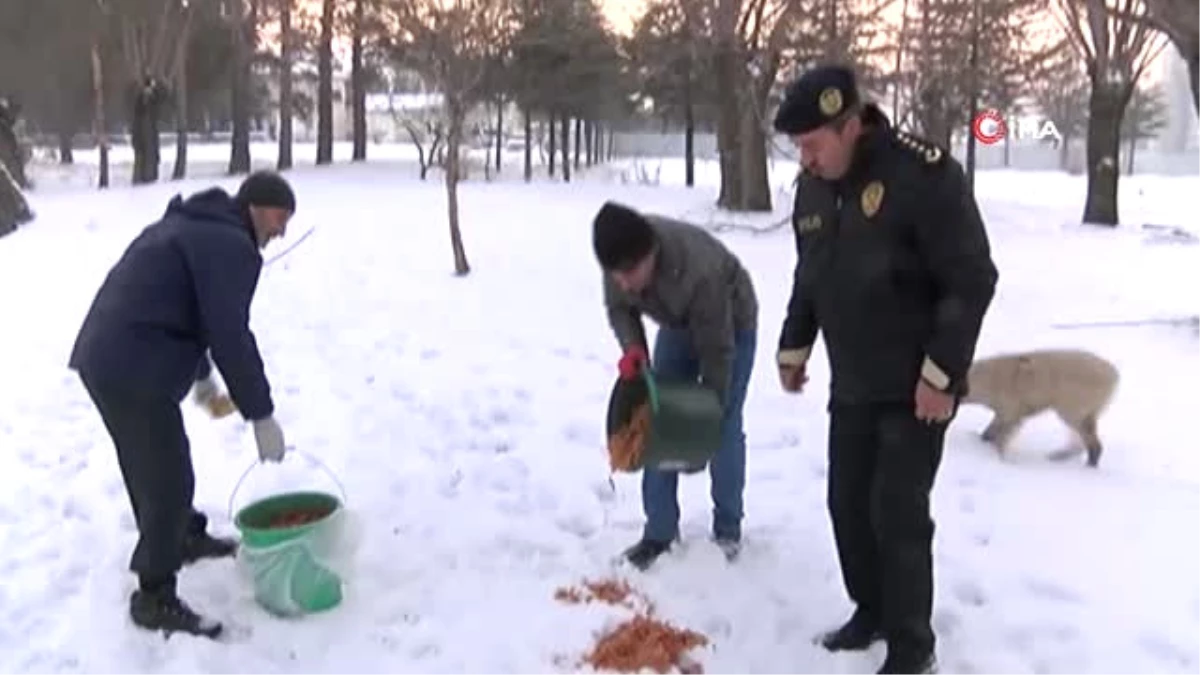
point(180, 291)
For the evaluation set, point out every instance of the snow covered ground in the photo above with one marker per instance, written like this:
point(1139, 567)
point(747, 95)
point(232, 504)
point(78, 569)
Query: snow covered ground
point(464, 418)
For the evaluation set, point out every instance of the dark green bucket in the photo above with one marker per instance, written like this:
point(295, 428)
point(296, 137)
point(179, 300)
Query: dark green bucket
point(289, 580)
point(685, 421)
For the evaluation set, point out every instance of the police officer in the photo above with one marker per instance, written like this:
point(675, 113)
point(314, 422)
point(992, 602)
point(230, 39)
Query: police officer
point(895, 271)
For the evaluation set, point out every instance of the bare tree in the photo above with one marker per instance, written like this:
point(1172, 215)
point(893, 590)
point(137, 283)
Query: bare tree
point(1116, 49)
point(1061, 92)
point(243, 23)
point(325, 85)
point(99, 126)
point(286, 47)
point(748, 40)
point(1145, 116)
point(358, 82)
point(452, 43)
point(181, 106)
point(149, 32)
point(1179, 20)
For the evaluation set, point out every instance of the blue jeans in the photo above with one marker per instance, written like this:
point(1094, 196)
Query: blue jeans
point(674, 357)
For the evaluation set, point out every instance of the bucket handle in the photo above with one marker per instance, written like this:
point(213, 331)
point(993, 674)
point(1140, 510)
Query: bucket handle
point(652, 388)
point(319, 464)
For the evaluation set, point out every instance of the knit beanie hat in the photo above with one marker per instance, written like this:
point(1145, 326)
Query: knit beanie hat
point(621, 237)
point(266, 188)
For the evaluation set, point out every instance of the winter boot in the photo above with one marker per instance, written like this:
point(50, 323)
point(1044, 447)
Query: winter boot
point(643, 554)
point(855, 635)
point(729, 546)
point(204, 545)
point(156, 606)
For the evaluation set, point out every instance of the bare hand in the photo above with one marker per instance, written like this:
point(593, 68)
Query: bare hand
point(933, 405)
point(220, 406)
point(793, 378)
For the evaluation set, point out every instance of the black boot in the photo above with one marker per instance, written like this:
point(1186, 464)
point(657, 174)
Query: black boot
point(156, 606)
point(855, 635)
point(643, 554)
point(204, 545)
point(909, 661)
point(730, 546)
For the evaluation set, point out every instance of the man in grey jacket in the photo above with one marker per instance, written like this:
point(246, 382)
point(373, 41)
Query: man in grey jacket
point(688, 282)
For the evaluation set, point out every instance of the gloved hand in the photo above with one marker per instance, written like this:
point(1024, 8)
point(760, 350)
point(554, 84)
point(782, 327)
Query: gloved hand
point(206, 394)
point(269, 437)
point(632, 362)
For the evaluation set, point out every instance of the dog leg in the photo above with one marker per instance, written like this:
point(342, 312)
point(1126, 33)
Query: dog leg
point(1091, 440)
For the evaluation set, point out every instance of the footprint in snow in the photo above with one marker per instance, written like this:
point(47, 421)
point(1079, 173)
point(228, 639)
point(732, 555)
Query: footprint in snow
point(1162, 648)
point(1051, 590)
point(1024, 638)
point(969, 593)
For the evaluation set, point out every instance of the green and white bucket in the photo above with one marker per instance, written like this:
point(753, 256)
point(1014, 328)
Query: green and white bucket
point(685, 420)
point(295, 568)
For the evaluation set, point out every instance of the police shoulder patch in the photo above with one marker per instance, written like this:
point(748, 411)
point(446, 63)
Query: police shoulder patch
point(927, 152)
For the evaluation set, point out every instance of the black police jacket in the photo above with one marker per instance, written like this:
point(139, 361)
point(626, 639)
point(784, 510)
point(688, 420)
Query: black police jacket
point(894, 268)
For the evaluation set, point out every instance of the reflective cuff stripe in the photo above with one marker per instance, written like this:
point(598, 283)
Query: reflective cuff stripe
point(794, 357)
point(933, 374)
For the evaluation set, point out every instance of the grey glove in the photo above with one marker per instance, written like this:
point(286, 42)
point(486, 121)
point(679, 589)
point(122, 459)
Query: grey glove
point(269, 437)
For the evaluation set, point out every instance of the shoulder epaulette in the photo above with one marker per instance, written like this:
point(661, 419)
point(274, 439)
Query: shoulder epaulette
point(923, 149)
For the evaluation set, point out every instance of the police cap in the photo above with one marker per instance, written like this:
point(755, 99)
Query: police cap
point(816, 98)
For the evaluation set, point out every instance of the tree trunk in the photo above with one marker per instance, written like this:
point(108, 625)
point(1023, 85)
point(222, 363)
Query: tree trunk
point(528, 144)
point(756, 180)
point(589, 142)
point(1107, 106)
point(181, 111)
point(728, 117)
point(578, 141)
point(453, 142)
point(552, 145)
point(243, 24)
point(325, 86)
point(147, 110)
point(358, 84)
point(1194, 76)
point(284, 160)
point(99, 130)
point(499, 132)
point(66, 147)
point(689, 135)
point(565, 127)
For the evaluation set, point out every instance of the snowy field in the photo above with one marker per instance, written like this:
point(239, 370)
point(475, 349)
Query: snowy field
point(464, 418)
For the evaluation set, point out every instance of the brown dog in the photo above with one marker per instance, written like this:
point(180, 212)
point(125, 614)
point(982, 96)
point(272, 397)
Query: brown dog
point(1077, 385)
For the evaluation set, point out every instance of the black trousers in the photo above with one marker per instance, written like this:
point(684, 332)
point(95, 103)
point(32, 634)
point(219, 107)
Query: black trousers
point(156, 464)
point(882, 466)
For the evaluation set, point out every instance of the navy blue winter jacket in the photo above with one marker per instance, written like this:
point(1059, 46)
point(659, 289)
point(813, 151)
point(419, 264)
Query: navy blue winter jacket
point(183, 287)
